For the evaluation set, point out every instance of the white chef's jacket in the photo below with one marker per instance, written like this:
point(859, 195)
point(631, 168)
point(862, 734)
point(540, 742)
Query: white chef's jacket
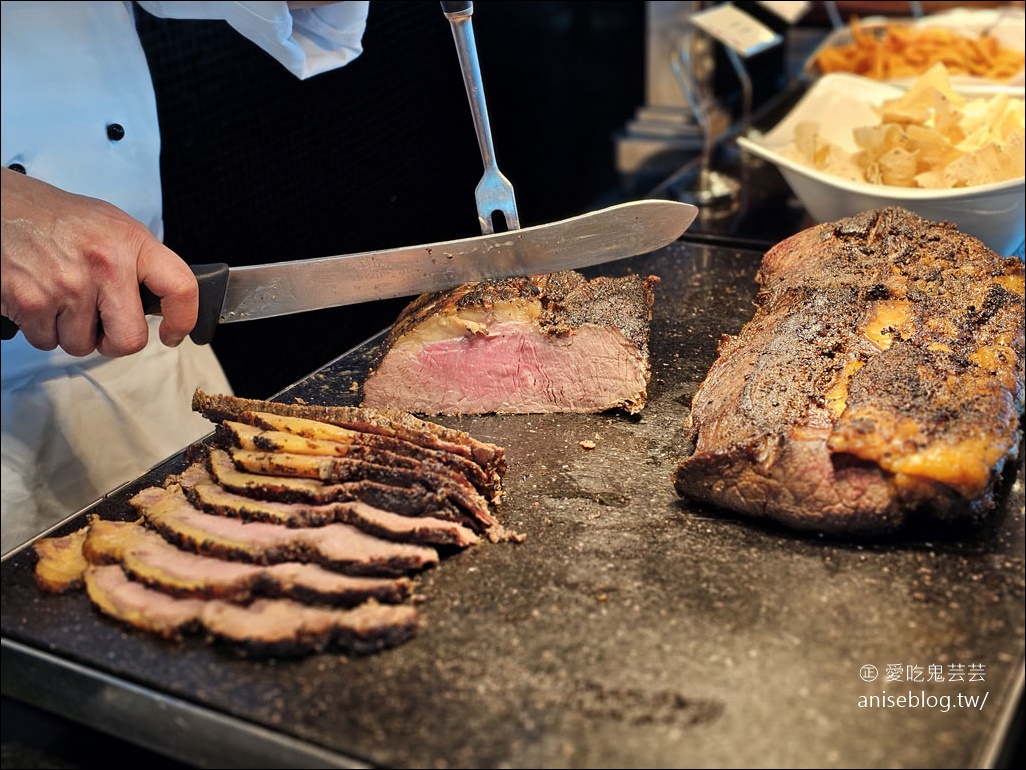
point(79, 112)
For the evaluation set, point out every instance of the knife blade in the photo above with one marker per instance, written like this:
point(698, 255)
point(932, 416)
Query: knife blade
point(232, 294)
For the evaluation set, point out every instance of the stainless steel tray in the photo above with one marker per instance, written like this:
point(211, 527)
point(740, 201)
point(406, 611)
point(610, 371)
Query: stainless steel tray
point(628, 630)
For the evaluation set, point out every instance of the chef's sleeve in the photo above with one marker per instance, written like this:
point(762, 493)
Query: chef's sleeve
point(306, 41)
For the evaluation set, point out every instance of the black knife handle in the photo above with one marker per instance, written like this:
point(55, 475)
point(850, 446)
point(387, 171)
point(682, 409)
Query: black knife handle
point(457, 7)
point(213, 283)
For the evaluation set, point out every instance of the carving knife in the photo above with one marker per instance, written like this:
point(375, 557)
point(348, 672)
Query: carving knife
point(230, 294)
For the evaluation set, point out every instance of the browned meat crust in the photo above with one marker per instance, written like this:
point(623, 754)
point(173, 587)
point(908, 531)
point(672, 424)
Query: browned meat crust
point(332, 439)
point(201, 490)
point(332, 470)
point(265, 627)
point(280, 454)
point(295, 478)
point(149, 559)
point(881, 376)
point(407, 501)
point(385, 422)
point(569, 300)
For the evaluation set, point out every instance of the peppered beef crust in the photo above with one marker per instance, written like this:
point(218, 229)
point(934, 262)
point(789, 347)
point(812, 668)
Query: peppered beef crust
point(568, 300)
point(881, 375)
point(386, 422)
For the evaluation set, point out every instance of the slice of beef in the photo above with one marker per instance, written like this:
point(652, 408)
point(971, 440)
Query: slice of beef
point(333, 470)
point(407, 501)
point(547, 343)
point(265, 627)
point(147, 609)
point(881, 377)
point(149, 559)
point(487, 482)
point(385, 422)
point(60, 562)
point(204, 493)
point(340, 547)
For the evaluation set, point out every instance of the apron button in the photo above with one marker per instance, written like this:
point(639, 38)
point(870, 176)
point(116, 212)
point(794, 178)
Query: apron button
point(115, 132)
point(17, 167)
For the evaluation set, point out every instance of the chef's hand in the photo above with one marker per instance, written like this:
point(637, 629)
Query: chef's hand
point(71, 270)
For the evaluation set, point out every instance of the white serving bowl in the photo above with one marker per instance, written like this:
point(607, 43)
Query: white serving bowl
point(994, 213)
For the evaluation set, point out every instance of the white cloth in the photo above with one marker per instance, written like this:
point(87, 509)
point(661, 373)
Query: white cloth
point(75, 428)
point(307, 41)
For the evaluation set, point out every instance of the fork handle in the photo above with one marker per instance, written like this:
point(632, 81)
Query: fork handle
point(460, 19)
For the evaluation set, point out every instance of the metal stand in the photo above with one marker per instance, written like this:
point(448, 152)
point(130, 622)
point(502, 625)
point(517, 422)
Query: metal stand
point(693, 65)
point(741, 36)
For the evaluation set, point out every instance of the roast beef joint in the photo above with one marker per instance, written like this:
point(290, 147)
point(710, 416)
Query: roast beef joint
point(546, 343)
point(880, 379)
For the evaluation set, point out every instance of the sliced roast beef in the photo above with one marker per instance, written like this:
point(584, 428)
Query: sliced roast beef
point(333, 470)
point(314, 509)
point(115, 595)
point(204, 493)
point(407, 501)
point(60, 562)
point(881, 377)
point(488, 482)
point(147, 558)
point(385, 422)
point(265, 627)
point(339, 546)
point(548, 343)
point(240, 434)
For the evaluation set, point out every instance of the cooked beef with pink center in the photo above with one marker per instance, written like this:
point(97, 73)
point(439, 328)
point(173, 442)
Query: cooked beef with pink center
point(338, 546)
point(265, 627)
point(204, 493)
point(548, 343)
point(148, 558)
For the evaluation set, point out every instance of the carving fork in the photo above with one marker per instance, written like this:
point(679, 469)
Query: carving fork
point(494, 192)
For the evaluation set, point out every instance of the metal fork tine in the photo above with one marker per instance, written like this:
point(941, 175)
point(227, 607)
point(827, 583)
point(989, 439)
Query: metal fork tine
point(494, 192)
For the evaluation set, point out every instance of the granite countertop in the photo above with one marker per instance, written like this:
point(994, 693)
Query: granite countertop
point(629, 629)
